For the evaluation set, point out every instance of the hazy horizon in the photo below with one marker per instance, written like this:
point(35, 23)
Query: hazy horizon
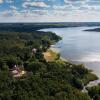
point(54, 22)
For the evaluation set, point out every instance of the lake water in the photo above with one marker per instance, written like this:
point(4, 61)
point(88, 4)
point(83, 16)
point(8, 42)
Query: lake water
point(79, 46)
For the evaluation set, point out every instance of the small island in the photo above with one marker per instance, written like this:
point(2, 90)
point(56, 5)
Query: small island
point(94, 30)
point(29, 70)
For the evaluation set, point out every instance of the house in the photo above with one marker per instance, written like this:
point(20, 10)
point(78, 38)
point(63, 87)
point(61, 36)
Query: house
point(17, 71)
point(34, 50)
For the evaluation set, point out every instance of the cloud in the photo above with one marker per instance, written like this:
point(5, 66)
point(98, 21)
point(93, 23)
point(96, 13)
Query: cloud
point(23, 13)
point(66, 1)
point(10, 13)
point(9, 1)
point(1, 1)
point(34, 13)
point(59, 7)
point(5, 13)
point(50, 10)
point(13, 7)
point(56, 16)
point(65, 8)
point(35, 4)
point(76, 2)
point(40, 12)
point(15, 13)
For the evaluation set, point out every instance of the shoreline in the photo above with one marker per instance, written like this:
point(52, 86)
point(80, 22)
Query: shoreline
point(91, 83)
point(57, 51)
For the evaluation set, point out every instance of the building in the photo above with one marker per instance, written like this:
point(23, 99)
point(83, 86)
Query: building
point(17, 71)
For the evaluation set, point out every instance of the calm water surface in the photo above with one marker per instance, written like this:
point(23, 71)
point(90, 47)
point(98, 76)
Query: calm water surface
point(79, 46)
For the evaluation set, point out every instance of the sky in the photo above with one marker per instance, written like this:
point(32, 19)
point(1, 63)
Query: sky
point(49, 10)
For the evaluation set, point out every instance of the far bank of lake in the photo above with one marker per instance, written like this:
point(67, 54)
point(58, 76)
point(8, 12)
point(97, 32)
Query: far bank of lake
point(79, 46)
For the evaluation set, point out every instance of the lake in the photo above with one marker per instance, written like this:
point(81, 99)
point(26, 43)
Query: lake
point(79, 46)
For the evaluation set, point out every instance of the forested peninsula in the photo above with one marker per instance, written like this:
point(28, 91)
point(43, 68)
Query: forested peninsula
point(93, 30)
point(26, 74)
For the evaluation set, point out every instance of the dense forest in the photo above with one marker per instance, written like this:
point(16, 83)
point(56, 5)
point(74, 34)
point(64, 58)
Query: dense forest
point(22, 48)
